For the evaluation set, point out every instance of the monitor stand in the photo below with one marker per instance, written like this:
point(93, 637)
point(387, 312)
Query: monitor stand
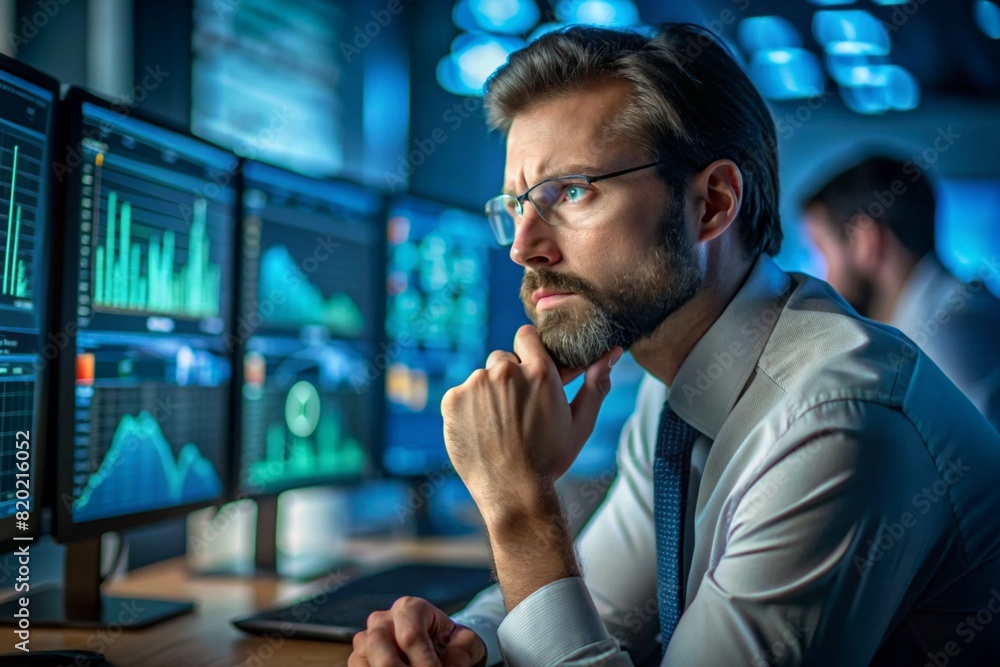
point(79, 604)
point(265, 561)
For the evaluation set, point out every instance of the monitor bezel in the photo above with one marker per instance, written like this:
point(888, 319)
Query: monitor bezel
point(65, 529)
point(40, 432)
point(377, 338)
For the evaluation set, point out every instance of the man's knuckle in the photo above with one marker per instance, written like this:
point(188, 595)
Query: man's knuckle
point(404, 603)
point(409, 635)
point(504, 369)
point(448, 400)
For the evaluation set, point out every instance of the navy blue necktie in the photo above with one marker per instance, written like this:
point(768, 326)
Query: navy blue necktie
point(671, 470)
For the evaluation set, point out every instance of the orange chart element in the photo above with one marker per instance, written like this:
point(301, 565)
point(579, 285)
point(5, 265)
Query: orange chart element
point(85, 368)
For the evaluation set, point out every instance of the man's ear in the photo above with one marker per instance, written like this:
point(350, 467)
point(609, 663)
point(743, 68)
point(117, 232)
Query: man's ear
point(865, 243)
point(717, 192)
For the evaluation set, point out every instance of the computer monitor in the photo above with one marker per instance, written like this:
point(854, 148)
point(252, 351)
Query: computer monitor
point(442, 268)
point(144, 391)
point(28, 106)
point(311, 303)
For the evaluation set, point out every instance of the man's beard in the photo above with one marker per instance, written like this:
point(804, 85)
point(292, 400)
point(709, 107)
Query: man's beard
point(638, 302)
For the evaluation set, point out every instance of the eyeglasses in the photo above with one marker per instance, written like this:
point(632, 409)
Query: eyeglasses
point(562, 200)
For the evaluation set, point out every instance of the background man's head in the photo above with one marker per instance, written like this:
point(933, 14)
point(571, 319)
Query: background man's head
point(871, 221)
point(678, 98)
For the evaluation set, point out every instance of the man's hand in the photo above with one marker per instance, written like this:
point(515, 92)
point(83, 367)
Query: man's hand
point(509, 426)
point(415, 632)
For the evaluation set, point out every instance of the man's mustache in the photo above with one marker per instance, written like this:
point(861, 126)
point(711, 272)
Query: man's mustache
point(555, 280)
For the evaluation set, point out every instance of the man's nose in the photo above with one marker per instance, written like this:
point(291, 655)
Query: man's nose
point(534, 240)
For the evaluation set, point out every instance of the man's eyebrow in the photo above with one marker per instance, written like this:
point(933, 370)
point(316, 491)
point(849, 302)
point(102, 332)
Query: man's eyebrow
point(573, 169)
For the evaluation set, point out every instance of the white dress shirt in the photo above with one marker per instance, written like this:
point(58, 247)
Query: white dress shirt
point(958, 325)
point(845, 507)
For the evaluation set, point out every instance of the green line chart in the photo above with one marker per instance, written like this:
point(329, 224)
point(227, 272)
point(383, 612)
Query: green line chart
point(131, 455)
point(140, 472)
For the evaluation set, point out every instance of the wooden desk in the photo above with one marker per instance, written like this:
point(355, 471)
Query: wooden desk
point(206, 638)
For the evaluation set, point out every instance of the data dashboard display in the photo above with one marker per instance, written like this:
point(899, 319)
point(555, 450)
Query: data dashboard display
point(436, 321)
point(311, 302)
point(25, 153)
point(156, 224)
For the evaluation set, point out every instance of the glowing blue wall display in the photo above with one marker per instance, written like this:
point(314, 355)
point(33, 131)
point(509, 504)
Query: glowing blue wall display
point(851, 31)
point(611, 13)
point(473, 57)
point(761, 33)
point(264, 80)
point(509, 17)
point(856, 54)
point(496, 28)
point(785, 74)
point(881, 88)
point(987, 16)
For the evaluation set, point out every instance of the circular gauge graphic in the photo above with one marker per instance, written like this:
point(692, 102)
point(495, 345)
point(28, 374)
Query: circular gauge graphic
point(302, 409)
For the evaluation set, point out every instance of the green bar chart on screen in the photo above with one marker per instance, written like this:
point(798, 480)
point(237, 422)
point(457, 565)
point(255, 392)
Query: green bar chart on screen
point(146, 276)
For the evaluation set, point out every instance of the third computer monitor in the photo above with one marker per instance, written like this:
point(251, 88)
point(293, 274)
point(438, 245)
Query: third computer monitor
point(311, 305)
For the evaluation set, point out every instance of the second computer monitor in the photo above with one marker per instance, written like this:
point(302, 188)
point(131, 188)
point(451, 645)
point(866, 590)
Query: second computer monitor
point(149, 257)
point(311, 303)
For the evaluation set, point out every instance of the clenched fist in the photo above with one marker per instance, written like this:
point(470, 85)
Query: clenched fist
point(509, 426)
point(415, 632)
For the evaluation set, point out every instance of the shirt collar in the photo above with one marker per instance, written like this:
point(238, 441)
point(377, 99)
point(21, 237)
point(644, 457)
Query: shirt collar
point(914, 297)
point(713, 375)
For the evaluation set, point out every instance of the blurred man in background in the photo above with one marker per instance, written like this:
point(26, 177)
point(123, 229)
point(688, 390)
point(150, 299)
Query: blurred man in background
point(874, 225)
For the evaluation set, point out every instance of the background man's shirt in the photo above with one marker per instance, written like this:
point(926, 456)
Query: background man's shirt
point(958, 325)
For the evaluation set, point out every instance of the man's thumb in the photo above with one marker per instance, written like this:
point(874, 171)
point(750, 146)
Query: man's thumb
point(596, 385)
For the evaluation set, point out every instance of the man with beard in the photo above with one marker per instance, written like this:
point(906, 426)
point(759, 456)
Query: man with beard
point(874, 224)
point(797, 485)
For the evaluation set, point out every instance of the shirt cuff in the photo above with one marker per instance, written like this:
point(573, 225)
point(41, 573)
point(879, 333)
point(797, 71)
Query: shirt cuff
point(486, 628)
point(551, 624)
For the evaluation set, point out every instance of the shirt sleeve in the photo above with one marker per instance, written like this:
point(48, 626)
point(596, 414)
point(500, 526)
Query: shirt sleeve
point(823, 545)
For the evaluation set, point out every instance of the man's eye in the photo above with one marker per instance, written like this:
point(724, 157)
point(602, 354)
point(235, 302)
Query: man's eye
point(574, 193)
